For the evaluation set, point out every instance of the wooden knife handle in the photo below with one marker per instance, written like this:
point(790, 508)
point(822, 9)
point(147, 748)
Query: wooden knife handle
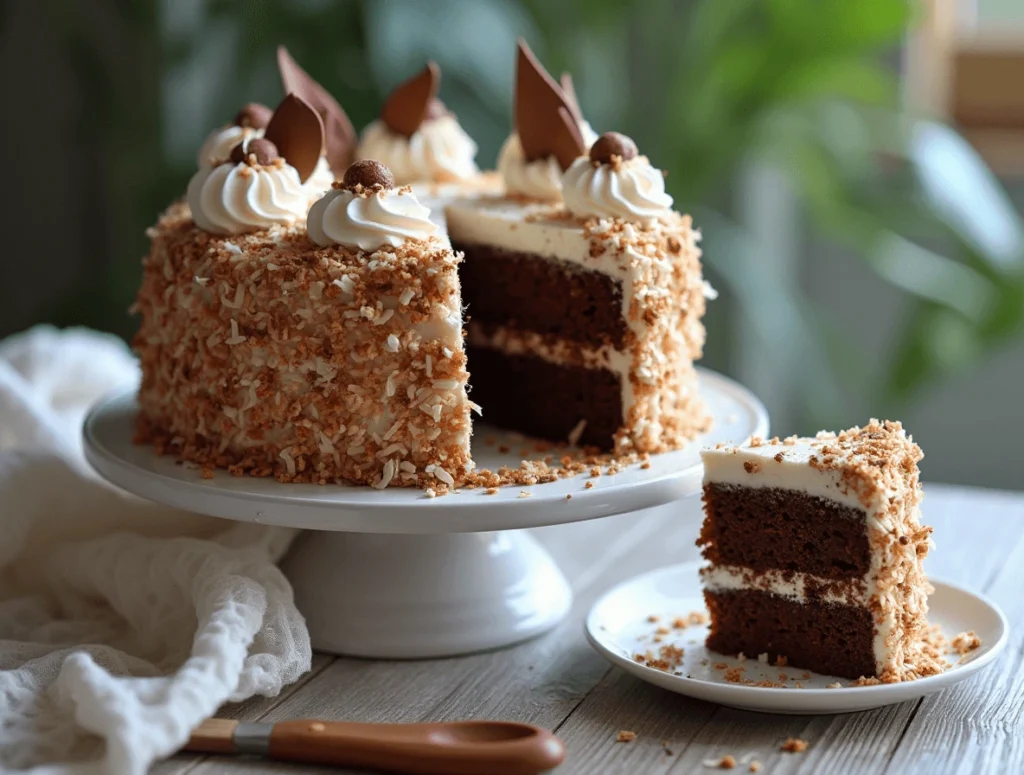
point(456, 748)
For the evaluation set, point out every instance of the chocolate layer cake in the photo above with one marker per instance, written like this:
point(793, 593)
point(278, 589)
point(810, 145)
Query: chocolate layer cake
point(583, 287)
point(815, 551)
point(314, 332)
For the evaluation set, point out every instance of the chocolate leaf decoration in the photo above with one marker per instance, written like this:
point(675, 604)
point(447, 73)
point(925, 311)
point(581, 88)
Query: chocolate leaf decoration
point(298, 132)
point(568, 140)
point(410, 103)
point(570, 96)
point(541, 127)
point(340, 137)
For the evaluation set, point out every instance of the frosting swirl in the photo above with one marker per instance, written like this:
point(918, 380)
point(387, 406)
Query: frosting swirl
point(321, 179)
point(237, 198)
point(540, 179)
point(369, 220)
point(439, 151)
point(631, 190)
point(220, 142)
point(217, 146)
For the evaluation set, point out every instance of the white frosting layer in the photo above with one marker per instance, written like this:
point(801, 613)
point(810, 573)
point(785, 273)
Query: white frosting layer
point(631, 190)
point(237, 198)
point(757, 467)
point(724, 578)
point(437, 196)
point(540, 179)
point(369, 221)
point(504, 223)
point(439, 150)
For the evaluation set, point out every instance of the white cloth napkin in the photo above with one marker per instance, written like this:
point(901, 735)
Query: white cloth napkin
point(123, 624)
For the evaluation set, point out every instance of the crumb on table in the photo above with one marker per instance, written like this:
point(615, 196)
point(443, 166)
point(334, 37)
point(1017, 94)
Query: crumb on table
point(727, 762)
point(794, 745)
point(625, 736)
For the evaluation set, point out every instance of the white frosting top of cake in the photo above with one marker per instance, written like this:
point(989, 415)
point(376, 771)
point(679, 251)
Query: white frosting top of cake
point(218, 145)
point(439, 150)
point(515, 225)
point(369, 220)
point(630, 190)
point(237, 198)
point(540, 179)
point(751, 466)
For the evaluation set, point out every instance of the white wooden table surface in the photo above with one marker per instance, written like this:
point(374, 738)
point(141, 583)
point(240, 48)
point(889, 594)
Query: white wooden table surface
point(557, 681)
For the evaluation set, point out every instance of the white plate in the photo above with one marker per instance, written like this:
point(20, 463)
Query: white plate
point(138, 469)
point(618, 628)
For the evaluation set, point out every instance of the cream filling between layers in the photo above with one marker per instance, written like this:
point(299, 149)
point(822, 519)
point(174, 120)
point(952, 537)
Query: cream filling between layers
point(561, 353)
point(506, 223)
point(728, 578)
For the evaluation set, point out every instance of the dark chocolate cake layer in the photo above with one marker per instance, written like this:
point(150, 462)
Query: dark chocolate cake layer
point(766, 528)
point(548, 296)
point(544, 399)
point(824, 637)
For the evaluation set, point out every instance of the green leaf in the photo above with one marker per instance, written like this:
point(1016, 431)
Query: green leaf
point(960, 189)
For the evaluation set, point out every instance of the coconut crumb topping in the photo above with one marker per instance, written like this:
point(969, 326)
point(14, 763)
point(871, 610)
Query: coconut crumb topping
point(303, 363)
point(265, 355)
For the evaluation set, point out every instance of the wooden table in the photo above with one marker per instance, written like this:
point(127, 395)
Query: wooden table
point(559, 682)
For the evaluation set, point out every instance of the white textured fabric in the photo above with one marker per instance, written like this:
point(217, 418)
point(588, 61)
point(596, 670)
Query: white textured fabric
point(123, 624)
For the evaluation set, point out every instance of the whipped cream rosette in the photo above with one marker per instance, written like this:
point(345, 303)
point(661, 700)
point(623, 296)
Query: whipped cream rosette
point(417, 138)
point(260, 184)
point(367, 212)
point(614, 181)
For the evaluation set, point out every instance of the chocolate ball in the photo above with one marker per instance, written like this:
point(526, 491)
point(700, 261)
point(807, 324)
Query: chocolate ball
point(253, 115)
point(368, 174)
point(260, 147)
point(612, 144)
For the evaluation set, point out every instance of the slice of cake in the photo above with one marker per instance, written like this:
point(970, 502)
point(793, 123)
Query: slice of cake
point(584, 317)
point(815, 550)
point(329, 356)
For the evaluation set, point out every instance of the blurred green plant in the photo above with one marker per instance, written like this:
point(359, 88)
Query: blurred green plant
point(708, 88)
point(809, 88)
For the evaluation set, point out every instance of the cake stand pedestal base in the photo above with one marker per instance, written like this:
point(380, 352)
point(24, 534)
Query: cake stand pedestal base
point(423, 596)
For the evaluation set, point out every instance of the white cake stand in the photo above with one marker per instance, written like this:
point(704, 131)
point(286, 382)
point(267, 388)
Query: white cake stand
point(395, 574)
